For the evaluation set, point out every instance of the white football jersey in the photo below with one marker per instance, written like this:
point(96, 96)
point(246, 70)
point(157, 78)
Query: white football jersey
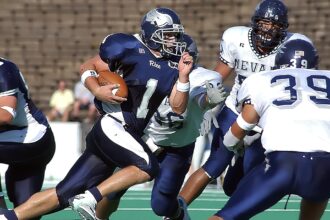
point(294, 108)
point(169, 129)
point(237, 51)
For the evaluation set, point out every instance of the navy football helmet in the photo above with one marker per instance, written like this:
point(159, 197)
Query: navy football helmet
point(269, 24)
point(161, 30)
point(296, 53)
point(191, 47)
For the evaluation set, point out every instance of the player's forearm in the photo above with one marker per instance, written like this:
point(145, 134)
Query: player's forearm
point(232, 138)
point(179, 101)
point(88, 72)
point(92, 85)
point(7, 109)
point(5, 117)
point(237, 131)
point(180, 94)
point(223, 69)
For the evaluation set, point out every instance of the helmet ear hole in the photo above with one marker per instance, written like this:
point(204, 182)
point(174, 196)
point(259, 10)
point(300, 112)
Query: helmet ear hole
point(157, 25)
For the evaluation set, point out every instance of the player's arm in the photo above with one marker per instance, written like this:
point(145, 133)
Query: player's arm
point(246, 121)
point(7, 109)
point(223, 69)
point(225, 63)
point(88, 72)
point(180, 92)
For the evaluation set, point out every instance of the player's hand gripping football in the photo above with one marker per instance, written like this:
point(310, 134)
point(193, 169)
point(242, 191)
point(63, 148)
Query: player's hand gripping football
point(185, 66)
point(106, 94)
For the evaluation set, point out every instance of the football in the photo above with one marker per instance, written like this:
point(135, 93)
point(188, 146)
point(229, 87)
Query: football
point(107, 77)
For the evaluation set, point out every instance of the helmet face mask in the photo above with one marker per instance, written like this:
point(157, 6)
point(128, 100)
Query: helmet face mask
point(170, 40)
point(268, 34)
point(161, 30)
point(269, 24)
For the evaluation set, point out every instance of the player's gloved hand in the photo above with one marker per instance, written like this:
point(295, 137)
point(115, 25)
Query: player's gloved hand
point(238, 149)
point(251, 137)
point(215, 95)
point(208, 119)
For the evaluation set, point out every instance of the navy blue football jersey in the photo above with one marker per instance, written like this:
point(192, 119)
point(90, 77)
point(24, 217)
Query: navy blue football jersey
point(149, 78)
point(12, 83)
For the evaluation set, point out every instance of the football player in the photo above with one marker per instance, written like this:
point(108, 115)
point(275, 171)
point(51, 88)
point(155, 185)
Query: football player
point(172, 137)
point(115, 140)
point(293, 111)
point(245, 51)
point(26, 140)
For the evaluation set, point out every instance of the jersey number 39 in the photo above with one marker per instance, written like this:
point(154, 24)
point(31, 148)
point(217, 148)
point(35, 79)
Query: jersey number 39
point(320, 84)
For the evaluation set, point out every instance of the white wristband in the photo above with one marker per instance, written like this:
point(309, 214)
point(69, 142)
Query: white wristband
point(183, 87)
point(243, 124)
point(10, 110)
point(229, 140)
point(87, 74)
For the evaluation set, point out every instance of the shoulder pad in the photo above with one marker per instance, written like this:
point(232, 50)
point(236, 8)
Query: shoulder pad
point(113, 46)
point(294, 36)
point(10, 77)
point(7, 66)
point(232, 32)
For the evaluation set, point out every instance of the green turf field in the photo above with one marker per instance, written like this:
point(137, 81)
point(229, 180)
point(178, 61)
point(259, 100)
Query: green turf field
point(136, 205)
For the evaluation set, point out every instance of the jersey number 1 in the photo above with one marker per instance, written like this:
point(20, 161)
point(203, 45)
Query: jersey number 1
point(142, 110)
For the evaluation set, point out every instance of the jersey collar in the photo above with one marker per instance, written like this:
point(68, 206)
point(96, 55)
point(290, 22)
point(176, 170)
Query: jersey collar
point(158, 56)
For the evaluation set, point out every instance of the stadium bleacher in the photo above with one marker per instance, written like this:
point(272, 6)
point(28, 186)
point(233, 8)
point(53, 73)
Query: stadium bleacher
point(49, 39)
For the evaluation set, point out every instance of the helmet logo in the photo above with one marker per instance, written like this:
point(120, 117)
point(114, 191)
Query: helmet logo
point(270, 14)
point(159, 19)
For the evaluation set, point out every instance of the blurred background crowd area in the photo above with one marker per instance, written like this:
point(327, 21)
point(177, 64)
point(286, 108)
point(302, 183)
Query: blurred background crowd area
point(49, 39)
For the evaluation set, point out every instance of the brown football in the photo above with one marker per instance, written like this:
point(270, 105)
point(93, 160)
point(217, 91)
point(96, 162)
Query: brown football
point(106, 77)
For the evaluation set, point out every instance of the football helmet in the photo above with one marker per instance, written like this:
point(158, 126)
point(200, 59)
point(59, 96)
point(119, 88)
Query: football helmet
point(296, 53)
point(269, 24)
point(191, 47)
point(161, 30)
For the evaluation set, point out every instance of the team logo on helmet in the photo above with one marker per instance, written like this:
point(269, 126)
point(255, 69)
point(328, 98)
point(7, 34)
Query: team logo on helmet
point(159, 19)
